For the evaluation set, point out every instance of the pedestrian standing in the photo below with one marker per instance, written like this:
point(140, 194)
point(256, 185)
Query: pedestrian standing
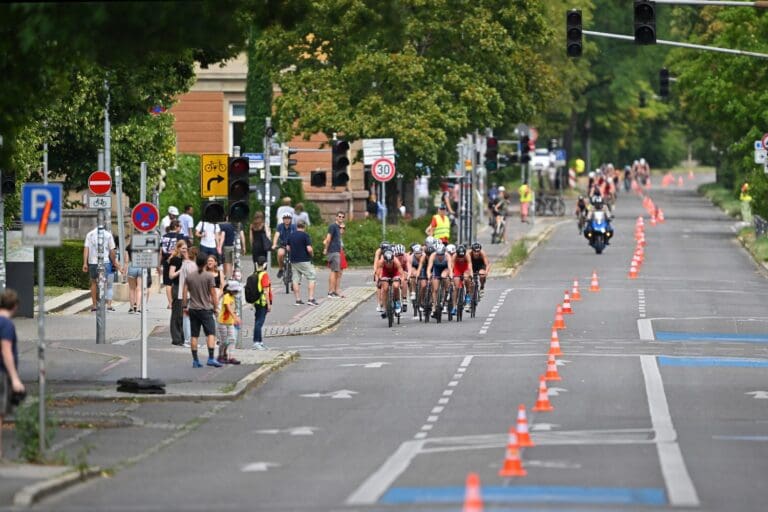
point(300, 245)
point(167, 246)
point(173, 214)
point(258, 291)
point(526, 196)
point(187, 267)
point(746, 203)
point(11, 387)
point(300, 214)
point(174, 272)
point(91, 259)
point(332, 249)
point(134, 273)
point(226, 245)
point(260, 239)
point(228, 322)
point(187, 222)
point(208, 233)
point(200, 301)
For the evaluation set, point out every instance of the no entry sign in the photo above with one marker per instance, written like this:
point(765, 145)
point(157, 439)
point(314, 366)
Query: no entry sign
point(99, 183)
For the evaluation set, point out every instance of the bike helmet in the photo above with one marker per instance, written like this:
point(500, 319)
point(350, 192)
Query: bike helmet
point(450, 249)
point(399, 249)
point(388, 256)
point(384, 245)
point(440, 250)
point(461, 251)
point(416, 248)
point(477, 247)
point(430, 240)
point(501, 189)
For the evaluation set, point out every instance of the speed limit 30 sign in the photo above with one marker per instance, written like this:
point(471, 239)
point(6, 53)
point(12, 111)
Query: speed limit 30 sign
point(383, 169)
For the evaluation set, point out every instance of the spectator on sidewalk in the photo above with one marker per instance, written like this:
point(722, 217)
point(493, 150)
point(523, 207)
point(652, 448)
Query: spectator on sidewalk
point(228, 322)
point(300, 245)
point(187, 222)
point(332, 249)
point(173, 214)
point(175, 264)
point(167, 246)
point(300, 214)
point(10, 381)
point(258, 291)
point(91, 259)
point(208, 233)
point(285, 207)
point(199, 299)
point(526, 196)
point(372, 206)
point(187, 267)
point(260, 239)
point(225, 243)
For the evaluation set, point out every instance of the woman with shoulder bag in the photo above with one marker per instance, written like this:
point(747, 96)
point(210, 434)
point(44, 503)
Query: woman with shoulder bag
point(260, 239)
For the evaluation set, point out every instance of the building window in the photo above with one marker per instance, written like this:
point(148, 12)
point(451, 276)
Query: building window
point(236, 125)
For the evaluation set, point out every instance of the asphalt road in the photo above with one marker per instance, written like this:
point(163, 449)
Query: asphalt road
point(662, 404)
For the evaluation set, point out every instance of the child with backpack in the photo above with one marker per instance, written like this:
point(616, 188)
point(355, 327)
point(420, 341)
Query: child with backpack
point(227, 322)
point(258, 291)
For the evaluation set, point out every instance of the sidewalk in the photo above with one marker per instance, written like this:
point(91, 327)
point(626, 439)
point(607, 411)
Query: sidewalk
point(82, 376)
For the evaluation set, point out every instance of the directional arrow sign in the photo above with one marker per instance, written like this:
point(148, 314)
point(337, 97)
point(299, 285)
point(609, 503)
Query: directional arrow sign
point(259, 466)
point(365, 365)
point(342, 393)
point(543, 427)
point(295, 431)
point(556, 391)
point(760, 395)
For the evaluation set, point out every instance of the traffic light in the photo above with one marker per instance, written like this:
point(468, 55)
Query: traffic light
point(318, 178)
point(212, 211)
point(491, 154)
point(664, 82)
point(340, 163)
point(525, 149)
point(286, 162)
point(239, 189)
point(573, 32)
point(645, 22)
point(9, 182)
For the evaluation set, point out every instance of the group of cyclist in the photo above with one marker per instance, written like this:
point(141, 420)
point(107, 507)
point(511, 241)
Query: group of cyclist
point(410, 272)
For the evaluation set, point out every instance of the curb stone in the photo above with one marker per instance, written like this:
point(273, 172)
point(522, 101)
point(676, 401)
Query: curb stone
point(31, 494)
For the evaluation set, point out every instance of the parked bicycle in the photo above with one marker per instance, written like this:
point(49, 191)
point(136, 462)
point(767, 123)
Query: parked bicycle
point(550, 204)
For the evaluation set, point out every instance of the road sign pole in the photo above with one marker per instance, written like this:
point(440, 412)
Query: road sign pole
point(41, 331)
point(144, 271)
point(120, 216)
point(237, 275)
point(101, 311)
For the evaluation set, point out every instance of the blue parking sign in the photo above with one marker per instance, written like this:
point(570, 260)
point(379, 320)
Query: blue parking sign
point(41, 214)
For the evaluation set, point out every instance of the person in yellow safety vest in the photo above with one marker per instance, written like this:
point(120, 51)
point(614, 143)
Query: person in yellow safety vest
point(578, 166)
point(746, 203)
point(440, 227)
point(526, 196)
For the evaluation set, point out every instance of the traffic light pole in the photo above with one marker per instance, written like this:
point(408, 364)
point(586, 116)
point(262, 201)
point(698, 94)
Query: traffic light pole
point(268, 132)
point(681, 45)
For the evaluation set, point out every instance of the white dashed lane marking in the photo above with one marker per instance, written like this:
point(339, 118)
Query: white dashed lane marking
point(489, 319)
point(434, 415)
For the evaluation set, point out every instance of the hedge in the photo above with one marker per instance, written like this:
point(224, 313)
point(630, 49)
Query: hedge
point(64, 265)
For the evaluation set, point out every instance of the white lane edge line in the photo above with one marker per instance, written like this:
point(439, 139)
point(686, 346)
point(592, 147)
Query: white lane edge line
point(375, 485)
point(680, 489)
point(645, 329)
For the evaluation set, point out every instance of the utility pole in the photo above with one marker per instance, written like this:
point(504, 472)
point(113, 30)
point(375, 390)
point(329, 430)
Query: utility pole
point(268, 133)
point(101, 280)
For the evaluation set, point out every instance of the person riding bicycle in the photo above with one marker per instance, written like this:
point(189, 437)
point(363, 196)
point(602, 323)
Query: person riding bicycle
point(405, 263)
point(383, 246)
point(389, 271)
point(439, 267)
point(416, 257)
point(500, 211)
point(480, 264)
point(282, 233)
point(582, 211)
point(461, 272)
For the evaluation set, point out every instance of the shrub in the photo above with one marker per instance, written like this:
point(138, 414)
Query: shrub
point(64, 266)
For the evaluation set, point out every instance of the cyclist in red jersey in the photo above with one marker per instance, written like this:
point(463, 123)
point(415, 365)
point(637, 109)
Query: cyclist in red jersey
point(389, 271)
point(462, 270)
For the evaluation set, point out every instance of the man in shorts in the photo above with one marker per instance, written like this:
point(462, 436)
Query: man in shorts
point(91, 259)
point(300, 245)
point(10, 382)
point(225, 244)
point(332, 249)
point(199, 301)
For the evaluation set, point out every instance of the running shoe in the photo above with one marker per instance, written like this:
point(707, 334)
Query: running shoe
point(398, 309)
point(312, 302)
point(259, 346)
point(196, 364)
point(280, 274)
point(214, 363)
point(299, 303)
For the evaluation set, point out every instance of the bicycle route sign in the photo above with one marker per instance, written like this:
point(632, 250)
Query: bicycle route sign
point(213, 175)
point(383, 169)
point(145, 217)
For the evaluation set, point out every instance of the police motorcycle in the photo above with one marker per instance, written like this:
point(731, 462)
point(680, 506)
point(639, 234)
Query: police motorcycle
point(598, 230)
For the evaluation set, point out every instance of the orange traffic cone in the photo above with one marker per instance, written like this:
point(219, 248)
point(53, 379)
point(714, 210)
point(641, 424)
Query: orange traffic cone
point(542, 402)
point(690, 175)
point(559, 322)
point(554, 344)
point(641, 242)
point(552, 369)
point(523, 436)
point(653, 219)
point(640, 221)
point(513, 465)
point(567, 310)
point(633, 270)
point(473, 500)
point(660, 215)
point(575, 293)
point(594, 286)
point(679, 181)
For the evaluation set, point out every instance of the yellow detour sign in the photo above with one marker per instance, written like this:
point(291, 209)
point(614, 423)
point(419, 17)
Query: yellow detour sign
point(213, 175)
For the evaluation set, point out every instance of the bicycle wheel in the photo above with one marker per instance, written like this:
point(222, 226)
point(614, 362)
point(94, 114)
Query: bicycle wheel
point(390, 306)
point(288, 276)
point(460, 304)
point(559, 207)
point(427, 302)
point(474, 301)
point(439, 304)
point(449, 301)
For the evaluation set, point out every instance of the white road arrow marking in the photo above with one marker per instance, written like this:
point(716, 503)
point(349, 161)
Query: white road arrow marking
point(556, 391)
point(294, 431)
point(561, 362)
point(259, 466)
point(540, 427)
point(552, 464)
point(342, 393)
point(760, 395)
point(377, 364)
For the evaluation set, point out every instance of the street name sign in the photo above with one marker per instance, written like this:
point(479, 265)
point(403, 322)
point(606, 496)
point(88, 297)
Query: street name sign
point(213, 175)
point(41, 214)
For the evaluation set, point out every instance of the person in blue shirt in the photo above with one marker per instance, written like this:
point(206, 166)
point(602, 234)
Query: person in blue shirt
point(282, 233)
point(300, 245)
point(10, 382)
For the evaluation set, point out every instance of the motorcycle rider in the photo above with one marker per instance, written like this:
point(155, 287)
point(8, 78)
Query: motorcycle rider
point(597, 205)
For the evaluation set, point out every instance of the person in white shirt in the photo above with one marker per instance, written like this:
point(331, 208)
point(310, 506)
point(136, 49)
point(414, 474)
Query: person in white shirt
point(187, 222)
point(208, 233)
point(91, 259)
point(285, 208)
point(173, 213)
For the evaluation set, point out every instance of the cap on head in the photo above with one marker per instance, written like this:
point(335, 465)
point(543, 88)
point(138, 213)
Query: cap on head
point(261, 261)
point(233, 286)
point(172, 210)
point(501, 188)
